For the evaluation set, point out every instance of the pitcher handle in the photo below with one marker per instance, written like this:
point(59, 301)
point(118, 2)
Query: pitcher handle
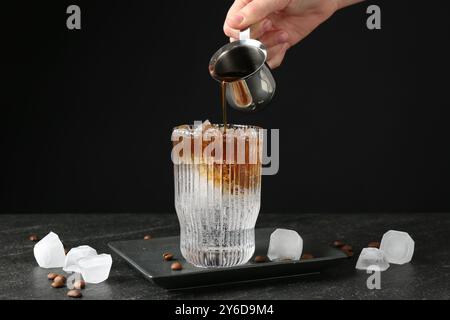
point(245, 34)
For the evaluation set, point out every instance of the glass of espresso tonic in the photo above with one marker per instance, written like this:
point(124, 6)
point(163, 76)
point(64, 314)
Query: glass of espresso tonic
point(217, 173)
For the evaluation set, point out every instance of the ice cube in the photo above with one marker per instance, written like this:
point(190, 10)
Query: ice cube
point(206, 125)
point(75, 254)
point(398, 247)
point(95, 269)
point(49, 252)
point(370, 257)
point(201, 127)
point(285, 245)
point(198, 128)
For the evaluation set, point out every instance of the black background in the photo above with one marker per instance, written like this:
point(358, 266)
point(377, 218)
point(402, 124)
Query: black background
point(86, 116)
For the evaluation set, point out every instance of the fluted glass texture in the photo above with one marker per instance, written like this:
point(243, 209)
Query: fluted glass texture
point(218, 192)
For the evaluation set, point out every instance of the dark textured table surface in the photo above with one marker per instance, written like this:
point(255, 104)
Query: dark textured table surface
point(427, 277)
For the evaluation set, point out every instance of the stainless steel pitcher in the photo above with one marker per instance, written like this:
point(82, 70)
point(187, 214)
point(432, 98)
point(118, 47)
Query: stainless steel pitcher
point(250, 85)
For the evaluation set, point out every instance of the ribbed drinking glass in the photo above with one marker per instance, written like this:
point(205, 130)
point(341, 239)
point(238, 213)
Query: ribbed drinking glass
point(217, 175)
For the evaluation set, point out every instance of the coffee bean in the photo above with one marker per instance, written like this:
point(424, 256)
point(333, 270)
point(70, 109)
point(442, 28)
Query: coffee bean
point(307, 256)
point(176, 266)
point(60, 278)
point(167, 256)
point(260, 259)
point(79, 284)
point(347, 247)
point(348, 250)
point(33, 238)
point(374, 244)
point(74, 293)
point(349, 253)
point(52, 276)
point(338, 244)
point(58, 284)
point(148, 237)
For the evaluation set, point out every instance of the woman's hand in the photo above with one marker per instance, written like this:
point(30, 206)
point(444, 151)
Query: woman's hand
point(279, 24)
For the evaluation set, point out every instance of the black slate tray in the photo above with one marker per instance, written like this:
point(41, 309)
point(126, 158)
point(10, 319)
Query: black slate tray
point(146, 257)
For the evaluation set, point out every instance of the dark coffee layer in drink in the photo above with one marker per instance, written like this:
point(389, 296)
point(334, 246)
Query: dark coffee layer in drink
point(230, 158)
